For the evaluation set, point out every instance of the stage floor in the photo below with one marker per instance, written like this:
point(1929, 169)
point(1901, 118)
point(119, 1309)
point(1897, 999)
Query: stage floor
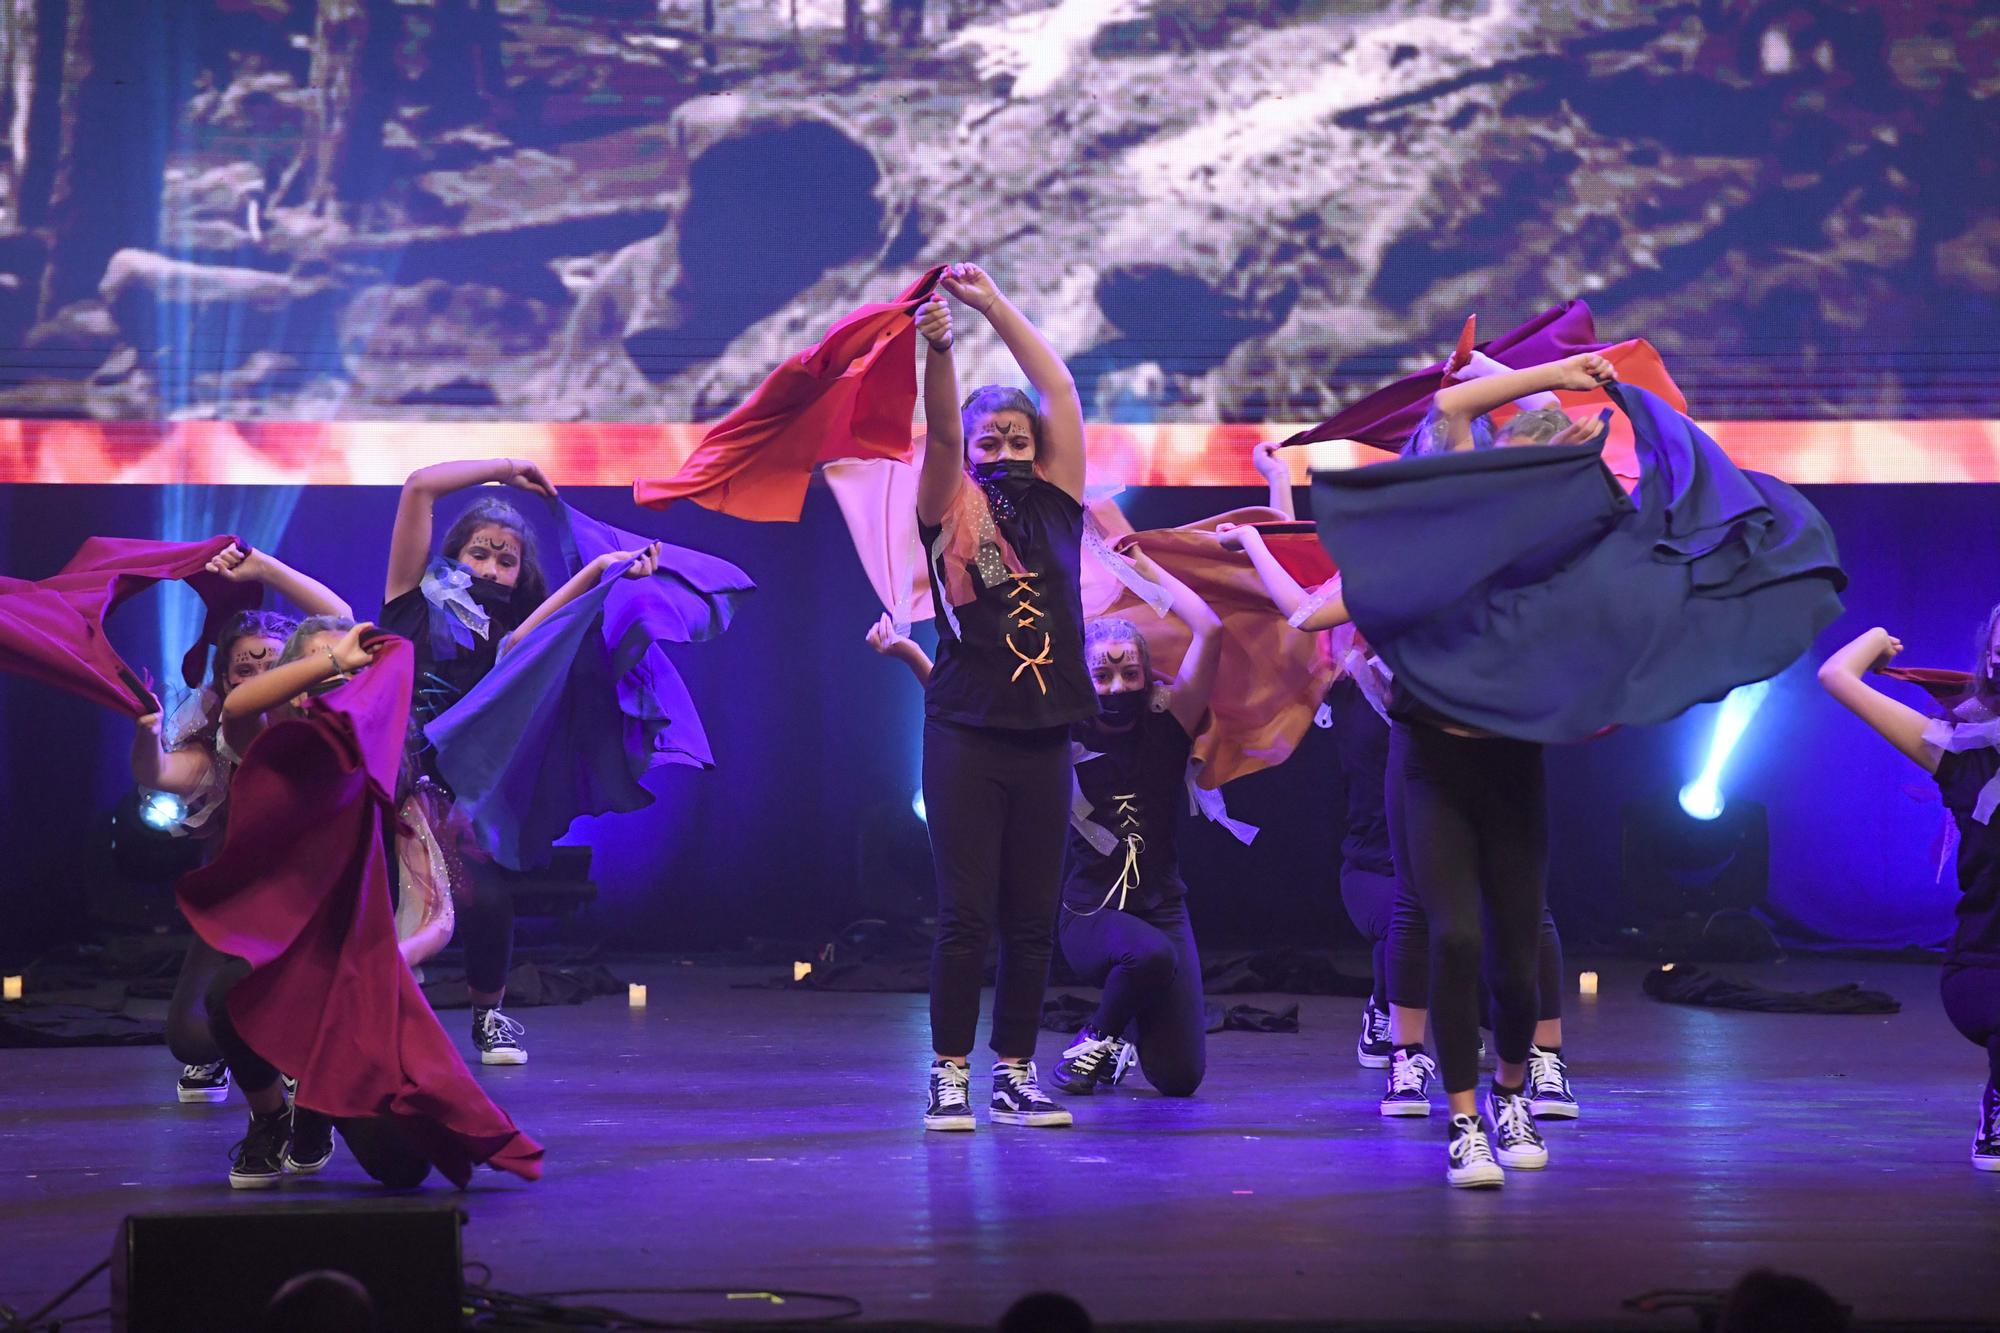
point(762, 1138)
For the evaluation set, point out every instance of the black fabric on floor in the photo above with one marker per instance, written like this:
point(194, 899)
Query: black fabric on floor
point(1682, 984)
point(1067, 1014)
point(26, 1023)
point(531, 985)
point(1268, 972)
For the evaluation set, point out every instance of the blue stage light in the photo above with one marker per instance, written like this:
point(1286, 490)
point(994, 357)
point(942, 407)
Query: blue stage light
point(1702, 798)
point(161, 810)
point(917, 806)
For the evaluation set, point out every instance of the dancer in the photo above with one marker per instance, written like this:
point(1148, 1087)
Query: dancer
point(183, 757)
point(1000, 515)
point(483, 592)
point(1962, 752)
point(1124, 922)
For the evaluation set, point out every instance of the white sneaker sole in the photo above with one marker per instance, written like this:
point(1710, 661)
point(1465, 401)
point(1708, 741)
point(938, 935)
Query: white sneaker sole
point(1553, 1110)
point(237, 1182)
point(1980, 1163)
point(297, 1168)
point(1486, 1177)
point(950, 1124)
point(1519, 1159)
point(1367, 1061)
point(503, 1057)
point(1033, 1119)
point(1403, 1109)
point(192, 1096)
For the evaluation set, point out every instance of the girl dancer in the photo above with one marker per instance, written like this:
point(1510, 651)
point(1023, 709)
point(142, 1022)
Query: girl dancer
point(460, 610)
point(1962, 753)
point(1000, 514)
point(188, 762)
point(1124, 922)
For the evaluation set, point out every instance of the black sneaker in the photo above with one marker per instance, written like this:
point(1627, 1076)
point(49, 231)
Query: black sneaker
point(498, 1037)
point(1089, 1061)
point(1469, 1160)
point(256, 1162)
point(1374, 1048)
point(1124, 1059)
point(1409, 1088)
point(1549, 1094)
point(310, 1145)
point(1986, 1144)
point(204, 1083)
point(1516, 1141)
point(1019, 1100)
point(951, 1102)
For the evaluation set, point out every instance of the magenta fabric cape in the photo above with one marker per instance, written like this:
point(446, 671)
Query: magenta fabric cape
point(1386, 417)
point(300, 891)
point(52, 629)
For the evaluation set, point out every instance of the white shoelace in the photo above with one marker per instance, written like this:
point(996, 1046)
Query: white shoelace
point(1022, 1077)
point(204, 1072)
point(497, 1024)
point(1409, 1075)
point(1468, 1142)
point(1090, 1052)
point(1378, 1025)
point(950, 1082)
point(1545, 1074)
point(1513, 1121)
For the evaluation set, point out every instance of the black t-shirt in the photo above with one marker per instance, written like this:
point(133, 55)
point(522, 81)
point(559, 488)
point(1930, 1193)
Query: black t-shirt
point(1137, 788)
point(1960, 777)
point(1016, 661)
point(446, 670)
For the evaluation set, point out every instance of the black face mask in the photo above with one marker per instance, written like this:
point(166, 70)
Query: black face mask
point(496, 599)
point(1003, 469)
point(1121, 709)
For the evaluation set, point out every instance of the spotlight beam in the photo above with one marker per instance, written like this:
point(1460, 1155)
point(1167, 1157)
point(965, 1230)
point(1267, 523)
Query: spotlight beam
point(1702, 798)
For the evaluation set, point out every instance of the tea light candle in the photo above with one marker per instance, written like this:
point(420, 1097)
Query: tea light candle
point(800, 971)
point(10, 988)
point(1586, 983)
point(635, 994)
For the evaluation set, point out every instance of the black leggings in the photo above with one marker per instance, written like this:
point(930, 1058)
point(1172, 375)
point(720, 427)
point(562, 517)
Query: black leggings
point(1971, 994)
point(1471, 817)
point(1367, 868)
point(485, 928)
point(998, 807)
point(252, 1072)
point(1410, 962)
point(189, 1036)
point(1151, 974)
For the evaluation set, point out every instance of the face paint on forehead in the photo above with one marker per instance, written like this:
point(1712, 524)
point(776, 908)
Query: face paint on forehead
point(1115, 656)
point(248, 652)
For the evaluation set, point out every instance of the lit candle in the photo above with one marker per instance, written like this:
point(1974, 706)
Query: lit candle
point(636, 994)
point(800, 971)
point(1586, 983)
point(10, 988)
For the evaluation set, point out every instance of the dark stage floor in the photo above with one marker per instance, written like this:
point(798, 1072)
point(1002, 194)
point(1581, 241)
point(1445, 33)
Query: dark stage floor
point(765, 1138)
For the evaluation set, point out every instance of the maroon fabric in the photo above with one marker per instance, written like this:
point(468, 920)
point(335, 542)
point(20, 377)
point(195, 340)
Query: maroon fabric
point(52, 630)
point(1945, 686)
point(1386, 417)
point(300, 890)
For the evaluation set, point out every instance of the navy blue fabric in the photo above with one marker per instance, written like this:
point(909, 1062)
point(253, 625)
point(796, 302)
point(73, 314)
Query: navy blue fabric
point(1518, 591)
point(567, 722)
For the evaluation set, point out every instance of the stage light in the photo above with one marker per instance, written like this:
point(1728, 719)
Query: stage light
point(161, 810)
point(1702, 798)
point(917, 806)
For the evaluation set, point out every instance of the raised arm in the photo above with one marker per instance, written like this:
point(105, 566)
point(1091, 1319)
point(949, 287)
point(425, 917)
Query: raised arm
point(1286, 594)
point(1061, 454)
point(884, 639)
point(1196, 681)
point(944, 453)
point(1459, 404)
point(244, 708)
point(410, 540)
point(1264, 457)
point(1897, 723)
point(312, 597)
point(644, 562)
point(181, 771)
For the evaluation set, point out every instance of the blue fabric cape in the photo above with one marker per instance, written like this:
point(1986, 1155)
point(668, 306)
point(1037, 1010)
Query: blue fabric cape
point(1520, 592)
point(574, 714)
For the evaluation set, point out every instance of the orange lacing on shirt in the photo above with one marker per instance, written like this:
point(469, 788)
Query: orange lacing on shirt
point(1025, 614)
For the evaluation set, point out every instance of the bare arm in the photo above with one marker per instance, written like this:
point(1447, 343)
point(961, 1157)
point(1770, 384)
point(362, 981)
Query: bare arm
point(410, 539)
point(645, 561)
point(181, 771)
point(882, 637)
point(1898, 723)
point(1460, 403)
point(1276, 475)
point(1286, 594)
point(1061, 454)
point(303, 591)
point(1196, 681)
point(944, 455)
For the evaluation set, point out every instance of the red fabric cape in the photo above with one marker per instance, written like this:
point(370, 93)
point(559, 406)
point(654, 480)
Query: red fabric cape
point(52, 630)
point(853, 394)
point(300, 890)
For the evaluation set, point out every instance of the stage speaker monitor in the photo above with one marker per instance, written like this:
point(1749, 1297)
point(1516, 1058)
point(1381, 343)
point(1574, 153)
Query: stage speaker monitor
point(200, 1271)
